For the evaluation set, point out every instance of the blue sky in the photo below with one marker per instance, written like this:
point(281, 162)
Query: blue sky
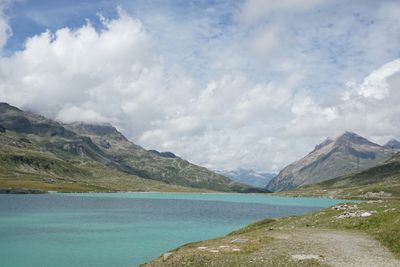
point(226, 84)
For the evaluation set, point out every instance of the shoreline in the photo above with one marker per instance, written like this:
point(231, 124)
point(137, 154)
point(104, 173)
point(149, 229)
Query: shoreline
point(363, 220)
point(22, 191)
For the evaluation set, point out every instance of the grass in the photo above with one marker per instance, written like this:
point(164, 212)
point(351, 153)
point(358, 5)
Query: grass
point(25, 165)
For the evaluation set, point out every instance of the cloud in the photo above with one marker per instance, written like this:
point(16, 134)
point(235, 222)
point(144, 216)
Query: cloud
point(375, 85)
point(253, 10)
point(369, 107)
point(72, 113)
point(219, 92)
point(110, 72)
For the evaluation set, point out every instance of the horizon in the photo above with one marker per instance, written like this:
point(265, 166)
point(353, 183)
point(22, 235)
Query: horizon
point(224, 84)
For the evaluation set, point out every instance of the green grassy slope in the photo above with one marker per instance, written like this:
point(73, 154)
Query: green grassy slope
point(38, 153)
point(165, 167)
point(24, 164)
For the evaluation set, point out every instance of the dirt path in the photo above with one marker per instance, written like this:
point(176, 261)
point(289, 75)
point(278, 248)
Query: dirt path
point(334, 247)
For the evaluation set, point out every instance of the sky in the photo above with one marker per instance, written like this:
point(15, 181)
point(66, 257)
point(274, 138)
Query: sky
point(225, 84)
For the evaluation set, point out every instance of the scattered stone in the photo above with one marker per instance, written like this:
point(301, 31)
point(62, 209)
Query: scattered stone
point(375, 201)
point(355, 214)
point(365, 214)
point(166, 256)
point(387, 210)
point(377, 194)
point(236, 249)
point(345, 207)
point(202, 248)
point(240, 240)
point(223, 246)
point(302, 257)
point(214, 250)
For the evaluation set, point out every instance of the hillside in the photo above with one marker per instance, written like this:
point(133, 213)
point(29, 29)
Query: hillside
point(382, 181)
point(38, 153)
point(349, 153)
point(151, 164)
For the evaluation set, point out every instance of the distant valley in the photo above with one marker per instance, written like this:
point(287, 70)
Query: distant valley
point(249, 177)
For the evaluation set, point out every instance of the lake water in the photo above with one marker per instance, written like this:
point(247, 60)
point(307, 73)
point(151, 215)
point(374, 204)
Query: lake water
point(125, 229)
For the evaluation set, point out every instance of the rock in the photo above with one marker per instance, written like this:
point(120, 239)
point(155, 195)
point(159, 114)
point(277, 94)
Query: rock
point(236, 249)
point(166, 256)
point(345, 207)
point(202, 248)
point(223, 246)
point(240, 240)
point(214, 250)
point(387, 210)
point(381, 194)
point(375, 201)
point(355, 214)
point(301, 257)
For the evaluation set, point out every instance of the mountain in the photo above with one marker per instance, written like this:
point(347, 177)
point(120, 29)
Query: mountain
point(380, 181)
point(39, 153)
point(161, 166)
point(349, 153)
point(393, 144)
point(249, 177)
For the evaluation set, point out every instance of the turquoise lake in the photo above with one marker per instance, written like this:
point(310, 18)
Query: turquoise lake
point(126, 229)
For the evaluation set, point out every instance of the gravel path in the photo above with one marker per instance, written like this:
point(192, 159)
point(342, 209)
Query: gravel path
point(335, 248)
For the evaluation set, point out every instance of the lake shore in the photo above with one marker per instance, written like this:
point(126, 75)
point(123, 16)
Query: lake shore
point(371, 229)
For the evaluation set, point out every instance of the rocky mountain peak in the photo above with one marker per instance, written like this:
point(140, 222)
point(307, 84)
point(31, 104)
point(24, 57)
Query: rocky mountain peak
point(332, 158)
point(353, 138)
point(324, 143)
point(101, 130)
point(393, 143)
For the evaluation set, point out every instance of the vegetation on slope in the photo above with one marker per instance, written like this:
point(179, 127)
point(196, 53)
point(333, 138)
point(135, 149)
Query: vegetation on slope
point(38, 153)
point(275, 242)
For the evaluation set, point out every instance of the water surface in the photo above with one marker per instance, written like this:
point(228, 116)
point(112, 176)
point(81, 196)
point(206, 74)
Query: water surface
point(125, 229)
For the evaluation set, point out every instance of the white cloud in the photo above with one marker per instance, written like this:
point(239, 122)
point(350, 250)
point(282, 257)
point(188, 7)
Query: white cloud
point(375, 85)
point(110, 72)
point(72, 114)
point(224, 96)
point(369, 108)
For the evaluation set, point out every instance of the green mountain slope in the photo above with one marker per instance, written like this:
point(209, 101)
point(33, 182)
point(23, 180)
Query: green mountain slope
point(161, 166)
point(349, 153)
point(39, 153)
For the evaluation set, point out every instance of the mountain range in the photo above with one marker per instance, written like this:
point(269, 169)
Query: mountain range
point(39, 153)
point(249, 177)
point(344, 155)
